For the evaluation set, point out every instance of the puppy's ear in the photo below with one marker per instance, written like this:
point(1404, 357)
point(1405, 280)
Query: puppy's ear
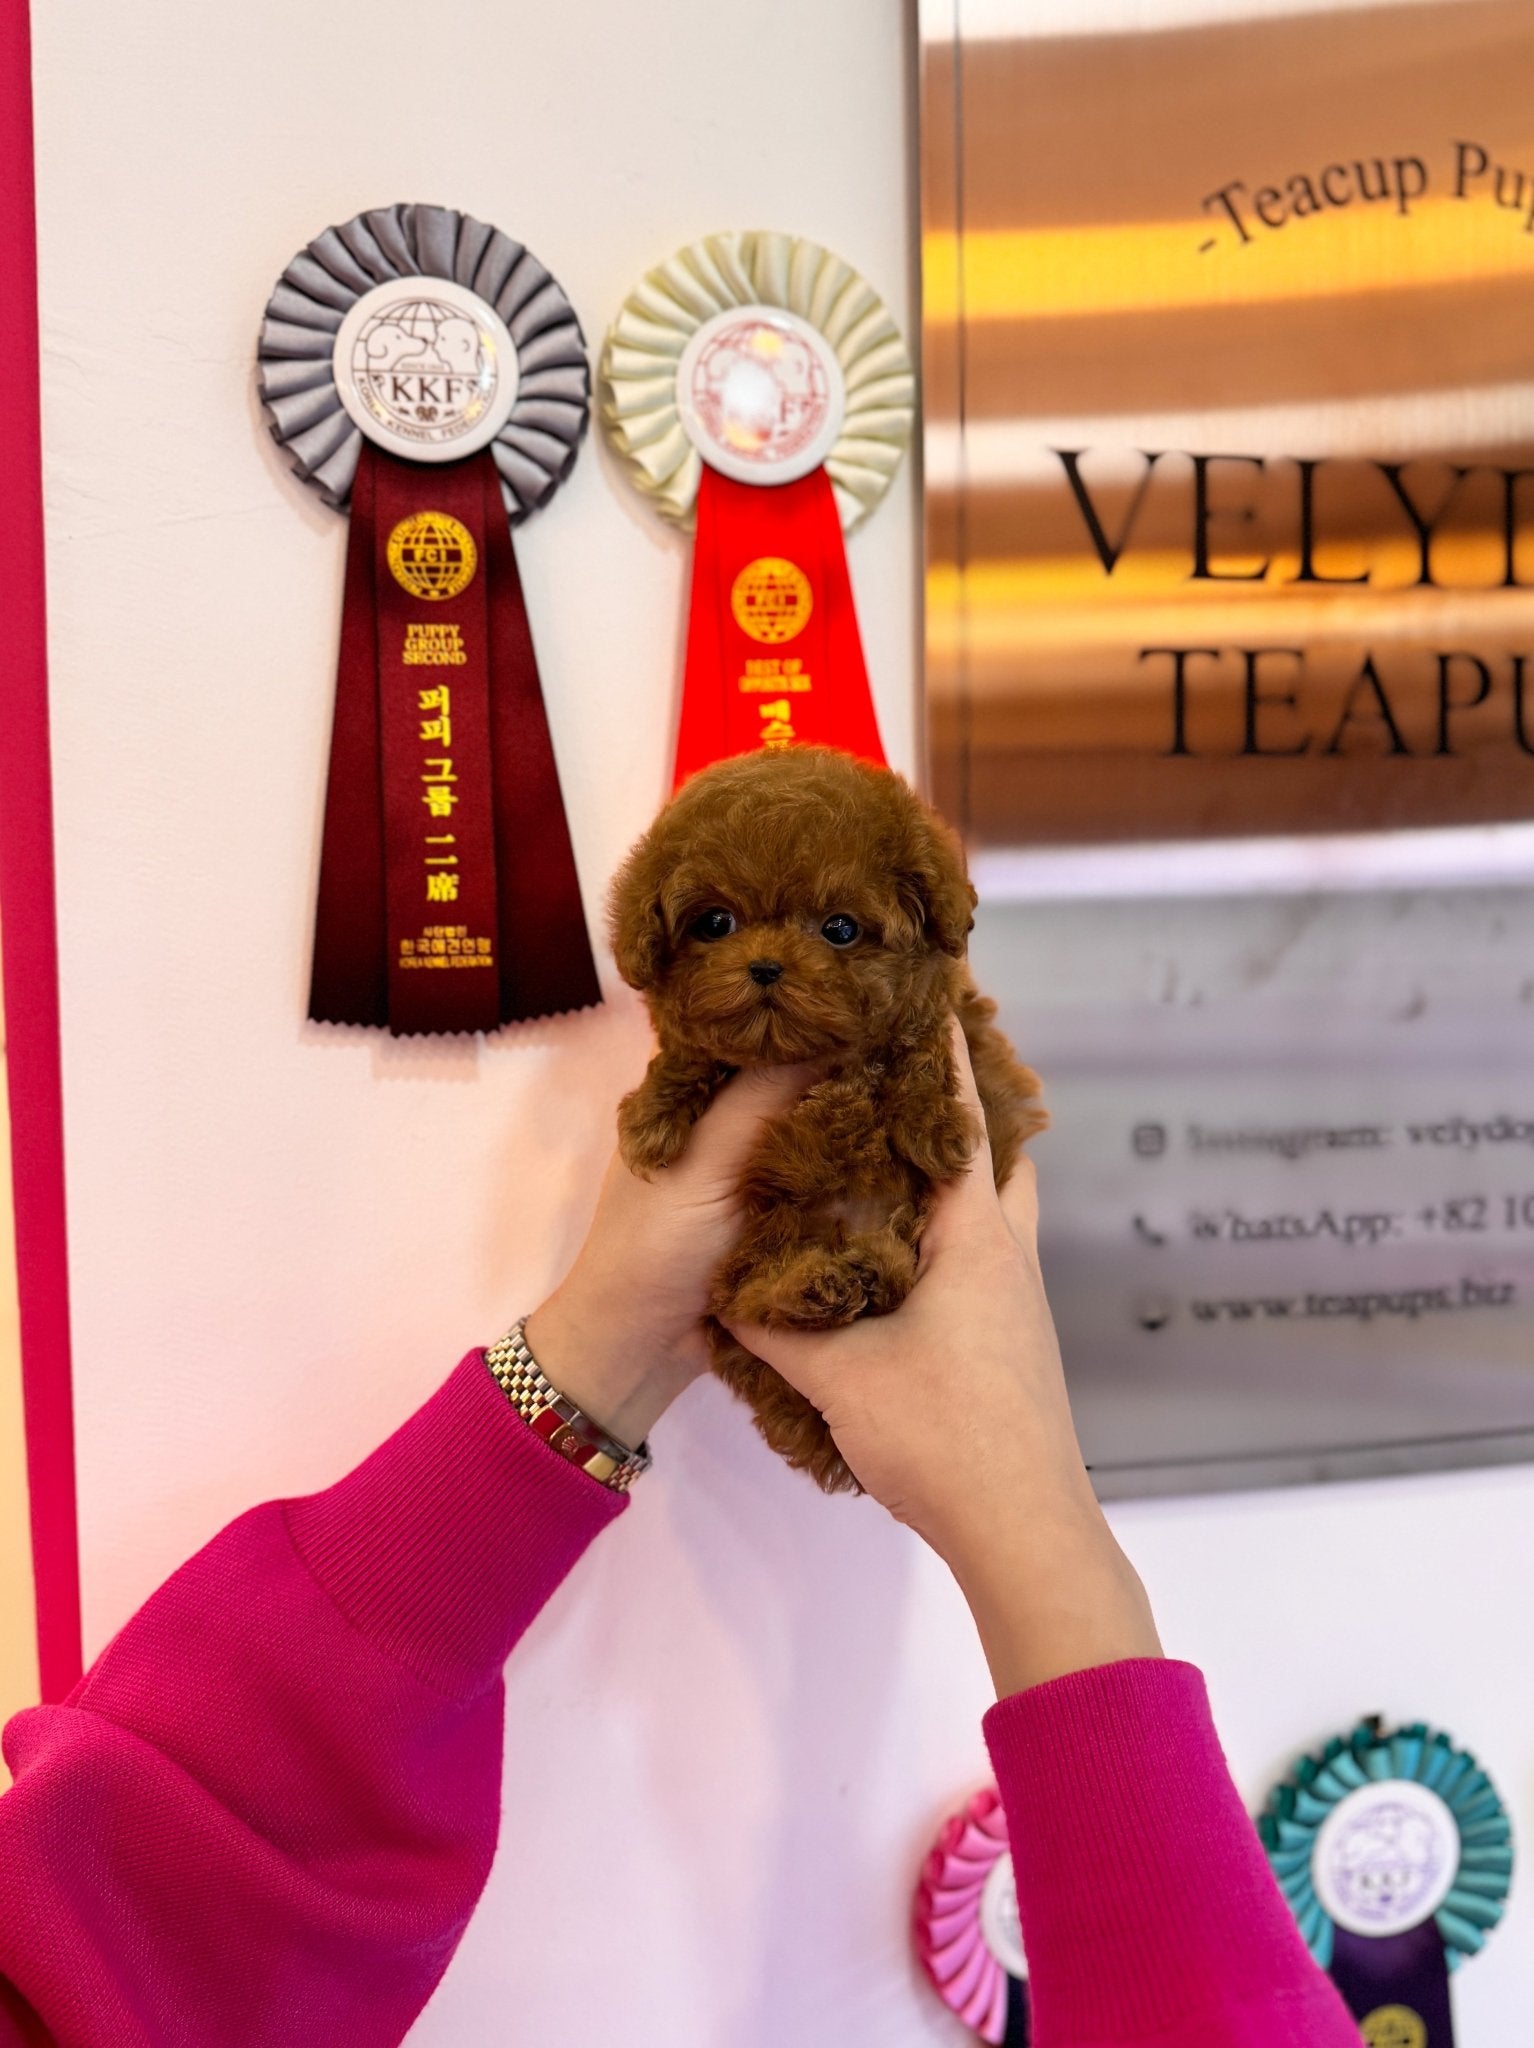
point(634, 920)
point(934, 886)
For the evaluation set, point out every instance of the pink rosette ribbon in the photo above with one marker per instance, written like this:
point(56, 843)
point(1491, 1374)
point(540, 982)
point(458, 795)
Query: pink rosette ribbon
point(966, 1933)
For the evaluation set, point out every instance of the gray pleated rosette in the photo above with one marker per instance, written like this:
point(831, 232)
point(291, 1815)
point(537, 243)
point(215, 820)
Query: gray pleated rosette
point(534, 450)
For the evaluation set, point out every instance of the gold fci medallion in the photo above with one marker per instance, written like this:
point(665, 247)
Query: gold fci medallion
point(772, 599)
point(432, 556)
point(1393, 2026)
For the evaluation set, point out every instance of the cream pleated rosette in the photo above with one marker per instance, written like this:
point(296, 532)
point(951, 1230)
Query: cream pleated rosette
point(864, 398)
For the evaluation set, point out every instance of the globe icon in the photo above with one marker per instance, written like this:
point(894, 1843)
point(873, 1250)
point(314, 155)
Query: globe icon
point(432, 555)
point(429, 371)
point(426, 336)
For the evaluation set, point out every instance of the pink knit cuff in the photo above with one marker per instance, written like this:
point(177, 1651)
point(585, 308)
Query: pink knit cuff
point(1145, 1895)
point(443, 1545)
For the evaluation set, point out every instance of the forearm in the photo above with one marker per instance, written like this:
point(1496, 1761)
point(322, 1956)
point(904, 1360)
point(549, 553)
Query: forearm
point(1050, 1590)
point(277, 1789)
point(1052, 1594)
point(1148, 1908)
point(611, 1365)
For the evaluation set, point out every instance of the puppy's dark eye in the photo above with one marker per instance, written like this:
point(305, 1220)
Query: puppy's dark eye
point(713, 924)
point(840, 930)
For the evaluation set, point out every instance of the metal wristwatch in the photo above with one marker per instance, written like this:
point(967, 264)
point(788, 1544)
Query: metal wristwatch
point(563, 1426)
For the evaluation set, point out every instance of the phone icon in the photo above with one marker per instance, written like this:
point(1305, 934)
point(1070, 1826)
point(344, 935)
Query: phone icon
point(1146, 1233)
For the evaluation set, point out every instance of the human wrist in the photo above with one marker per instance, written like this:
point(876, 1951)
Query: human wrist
point(992, 1496)
point(615, 1365)
point(1051, 1594)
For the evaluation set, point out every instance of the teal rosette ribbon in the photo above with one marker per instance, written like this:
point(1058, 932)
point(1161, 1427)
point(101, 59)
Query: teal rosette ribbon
point(1473, 1894)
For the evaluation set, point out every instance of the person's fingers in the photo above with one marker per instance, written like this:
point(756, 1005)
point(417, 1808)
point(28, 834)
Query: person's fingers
point(969, 1095)
point(724, 1134)
point(1020, 1202)
point(969, 1201)
point(803, 1357)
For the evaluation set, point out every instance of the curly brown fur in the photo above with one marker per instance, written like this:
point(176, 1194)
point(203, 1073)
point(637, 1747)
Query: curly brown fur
point(838, 1192)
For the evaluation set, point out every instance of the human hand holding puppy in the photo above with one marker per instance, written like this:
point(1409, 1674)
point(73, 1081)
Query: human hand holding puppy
point(623, 1333)
point(805, 906)
point(952, 1412)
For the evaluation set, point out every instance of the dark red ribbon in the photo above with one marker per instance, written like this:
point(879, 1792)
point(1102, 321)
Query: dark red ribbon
point(774, 655)
point(448, 896)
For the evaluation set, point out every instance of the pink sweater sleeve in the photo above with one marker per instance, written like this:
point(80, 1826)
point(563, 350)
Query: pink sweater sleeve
point(1149, 1913)
point(265, 1814)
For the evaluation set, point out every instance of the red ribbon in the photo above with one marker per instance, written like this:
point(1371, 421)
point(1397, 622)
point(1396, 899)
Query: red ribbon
point(774, 656)
point(448, 897)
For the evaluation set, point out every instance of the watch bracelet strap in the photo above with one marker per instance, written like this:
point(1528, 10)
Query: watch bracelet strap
point(554, 1417)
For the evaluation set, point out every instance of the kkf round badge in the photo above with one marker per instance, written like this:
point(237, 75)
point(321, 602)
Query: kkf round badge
point(1380, 1831)
point(761, 395)
point(427, 368)
point(762, 357)
point(1385, 1857)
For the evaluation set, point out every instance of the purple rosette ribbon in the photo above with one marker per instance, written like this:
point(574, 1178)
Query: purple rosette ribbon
point(1395, 1852)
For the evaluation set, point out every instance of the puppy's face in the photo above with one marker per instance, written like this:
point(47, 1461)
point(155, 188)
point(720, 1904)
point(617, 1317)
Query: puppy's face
point(789, 906)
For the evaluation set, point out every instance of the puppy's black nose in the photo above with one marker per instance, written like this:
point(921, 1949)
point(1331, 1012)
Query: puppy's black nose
point(765, 971)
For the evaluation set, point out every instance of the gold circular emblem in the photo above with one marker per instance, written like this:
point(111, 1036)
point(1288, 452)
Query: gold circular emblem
point(1394, 2026)
point(432, 555)
point(772, 599)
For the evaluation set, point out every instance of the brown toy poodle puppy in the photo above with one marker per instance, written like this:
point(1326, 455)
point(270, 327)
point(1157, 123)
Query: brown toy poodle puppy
point(804, 906)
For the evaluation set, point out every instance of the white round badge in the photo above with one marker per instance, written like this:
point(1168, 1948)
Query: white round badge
point(1000, 1923)
point(760, 394)
point(1385, 1857)
point(426, 369)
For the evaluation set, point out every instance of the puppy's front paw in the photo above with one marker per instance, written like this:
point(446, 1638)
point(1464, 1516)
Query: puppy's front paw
point(886, 1264)
point(814, 1289)
point(650, 1138)
point(939, 1139)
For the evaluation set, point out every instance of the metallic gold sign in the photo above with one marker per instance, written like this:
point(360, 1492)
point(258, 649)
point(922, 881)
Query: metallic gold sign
point(1229, 436)
point(1229, 421)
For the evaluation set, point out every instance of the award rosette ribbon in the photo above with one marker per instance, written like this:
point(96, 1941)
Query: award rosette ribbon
point(968, 1936)
point(425, 370)
point(758, 388)
point(1395, 1853)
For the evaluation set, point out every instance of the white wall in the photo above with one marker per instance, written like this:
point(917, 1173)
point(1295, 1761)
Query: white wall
point(751, 1706)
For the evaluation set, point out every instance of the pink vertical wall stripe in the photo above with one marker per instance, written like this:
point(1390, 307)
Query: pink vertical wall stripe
point(28, 932)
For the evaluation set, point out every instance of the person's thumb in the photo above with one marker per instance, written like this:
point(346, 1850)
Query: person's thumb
point(725, 1135)
point(803, 1357)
